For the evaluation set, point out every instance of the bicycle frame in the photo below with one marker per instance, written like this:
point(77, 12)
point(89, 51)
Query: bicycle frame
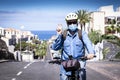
point(73, 76)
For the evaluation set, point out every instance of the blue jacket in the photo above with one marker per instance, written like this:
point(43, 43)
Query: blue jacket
point(72, 45)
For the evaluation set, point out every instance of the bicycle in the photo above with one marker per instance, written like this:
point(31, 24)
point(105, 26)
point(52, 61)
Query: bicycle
point(73, 75)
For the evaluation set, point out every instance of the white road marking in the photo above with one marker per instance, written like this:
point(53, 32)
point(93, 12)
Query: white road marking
point(13, 79)
point(28, 65)
point(19, 73)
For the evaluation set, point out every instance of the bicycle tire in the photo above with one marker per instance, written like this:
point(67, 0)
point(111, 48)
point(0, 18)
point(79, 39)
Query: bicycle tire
point(73, 78)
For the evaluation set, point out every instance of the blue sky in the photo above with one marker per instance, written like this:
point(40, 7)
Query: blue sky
point(44, 14)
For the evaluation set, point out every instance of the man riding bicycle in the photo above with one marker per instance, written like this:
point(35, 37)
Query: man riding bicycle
point(73, 46)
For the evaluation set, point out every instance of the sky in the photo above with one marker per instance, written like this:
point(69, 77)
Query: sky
point(44, 14)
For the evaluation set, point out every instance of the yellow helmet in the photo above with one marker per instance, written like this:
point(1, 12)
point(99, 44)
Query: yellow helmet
point(71, 16)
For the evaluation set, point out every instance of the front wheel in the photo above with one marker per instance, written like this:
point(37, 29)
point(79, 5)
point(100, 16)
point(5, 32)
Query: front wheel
point(73, 78)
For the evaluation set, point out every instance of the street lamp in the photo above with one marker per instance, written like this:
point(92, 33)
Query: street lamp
point(20, 43)
point(22, 27)
point(99, 42)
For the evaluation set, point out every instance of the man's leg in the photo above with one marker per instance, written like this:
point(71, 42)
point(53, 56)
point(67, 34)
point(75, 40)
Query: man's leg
point(82, 72)
point(63, 77)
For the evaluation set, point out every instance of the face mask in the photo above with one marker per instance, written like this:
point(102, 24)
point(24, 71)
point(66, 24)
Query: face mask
point(72, 27)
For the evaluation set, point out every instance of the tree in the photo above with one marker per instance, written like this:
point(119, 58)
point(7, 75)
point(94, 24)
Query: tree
point(112, 29)
point(41, 49)
point(84, 17)
point(108, 29)
point(23, 46)
point(36, 41)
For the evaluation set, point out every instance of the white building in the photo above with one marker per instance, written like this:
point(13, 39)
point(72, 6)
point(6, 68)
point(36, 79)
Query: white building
point(103, 17)
point(118, 9)
point(17, 34)
point(1, 31)
point(106, 8)
point(11, 36)
point(10, 32)
point(97, 22)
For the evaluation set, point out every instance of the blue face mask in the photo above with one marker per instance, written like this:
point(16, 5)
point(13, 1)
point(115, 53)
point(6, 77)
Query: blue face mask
point(72, 27)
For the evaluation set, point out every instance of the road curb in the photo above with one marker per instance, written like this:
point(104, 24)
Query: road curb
point(1, 61)
point(116, 60)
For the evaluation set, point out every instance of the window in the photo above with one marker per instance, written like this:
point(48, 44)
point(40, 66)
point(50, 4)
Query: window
point(118, 18)
point(0, 31)
point(110, 20)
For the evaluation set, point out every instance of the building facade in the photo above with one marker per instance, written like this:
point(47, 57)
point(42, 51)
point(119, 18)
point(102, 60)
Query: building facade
point(12, 36)
point(105, 16)
point(2, 31)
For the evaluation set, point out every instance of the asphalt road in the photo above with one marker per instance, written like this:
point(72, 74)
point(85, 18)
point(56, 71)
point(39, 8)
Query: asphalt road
point(109, 69)
point(42, 70)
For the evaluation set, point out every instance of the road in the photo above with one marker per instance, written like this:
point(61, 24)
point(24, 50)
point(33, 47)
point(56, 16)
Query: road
point(109, 69)
point(42, 70)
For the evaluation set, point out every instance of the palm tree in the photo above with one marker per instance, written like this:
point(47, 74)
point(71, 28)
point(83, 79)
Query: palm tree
point(111, 29)
point(84, 17)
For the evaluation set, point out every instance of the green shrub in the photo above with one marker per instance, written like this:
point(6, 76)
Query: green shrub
point(41, 49)
point(95, 37)
point(105, 51)
point(109, 36)
point(118, 55)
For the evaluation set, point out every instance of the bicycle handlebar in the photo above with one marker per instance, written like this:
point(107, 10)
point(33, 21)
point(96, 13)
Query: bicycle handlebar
point(58, 61)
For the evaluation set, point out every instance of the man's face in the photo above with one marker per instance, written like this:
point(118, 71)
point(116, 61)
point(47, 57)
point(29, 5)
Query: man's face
point(72, 25)
point(70, 22)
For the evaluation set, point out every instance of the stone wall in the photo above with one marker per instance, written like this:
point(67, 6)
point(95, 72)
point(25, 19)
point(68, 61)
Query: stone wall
point(113, 49)
point(4, 52)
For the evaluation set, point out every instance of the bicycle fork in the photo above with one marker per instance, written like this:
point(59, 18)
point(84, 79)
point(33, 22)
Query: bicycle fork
point(73, 76)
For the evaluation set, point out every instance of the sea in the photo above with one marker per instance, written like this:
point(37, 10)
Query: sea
point(44, 35)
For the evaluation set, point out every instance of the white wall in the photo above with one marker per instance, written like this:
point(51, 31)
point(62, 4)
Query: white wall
point(27, 57)
point(1, 31)
point(6, 40)
point(118, 9)
point(112, 14)
point(98, 21)
point(108, 8)
point(98, 17)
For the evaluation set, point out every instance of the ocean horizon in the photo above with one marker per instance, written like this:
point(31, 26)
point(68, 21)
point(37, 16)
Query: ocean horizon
point(44, 35)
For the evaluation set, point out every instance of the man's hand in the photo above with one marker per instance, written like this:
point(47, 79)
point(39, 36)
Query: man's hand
point(90, 56)
point(59, 29)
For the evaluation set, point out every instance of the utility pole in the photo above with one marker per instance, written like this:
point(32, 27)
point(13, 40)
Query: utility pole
point(99, 42)
point(22, 27)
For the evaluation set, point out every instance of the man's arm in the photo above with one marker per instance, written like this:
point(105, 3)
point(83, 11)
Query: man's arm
point(88, 45)
point(57, 44)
